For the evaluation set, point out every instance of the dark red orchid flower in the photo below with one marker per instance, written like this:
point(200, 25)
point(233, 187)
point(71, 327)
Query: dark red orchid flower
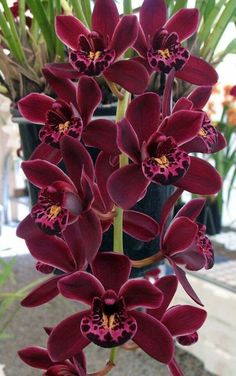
point(65, 203)
point(233, 91)
point(38, 357)
point(182, 321)
point(98, 51)
point(209, 139)
point(112, 319)
point(70, 114)
point(159, 43)
point(156, 149)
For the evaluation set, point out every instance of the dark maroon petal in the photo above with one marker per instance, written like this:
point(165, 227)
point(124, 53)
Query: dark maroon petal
point(84, 237)
point(192, 209)
point(184, 319)
point(125, 34)
point(34, 107)
point(51, 250)
point(107, 330)
point(66, 339)
point(153, 337)
point(101, 134)
point(192, 260)
point(27, 228)
point(43, 293)
point(198, 72)
point(152, 16)
point(73, 151)
point(184, 23)
point(188, 339)
point(88, 97)
point(183, 125)
point(168, 206)
point(81, 286)
point(127, 140)
point(64, 88)
point(68, 29)
point(129, 74)
point(46, 152)
point(168, 285)
point(180, 274)
point(182, 104)
point(199, 97)
point(179, 235)
point(233, 91)
point(174, 368)
point(140, 226)
point(104, 169)
point(220, 143)
point(140, 44)
point(105, 17)
point(126, 185)
point(79, 362)
point(119, 268)
point(63, 70)
point(36, 357)
point(140, 293)
point(43, 173)
point(201, 178)
point(144, 115)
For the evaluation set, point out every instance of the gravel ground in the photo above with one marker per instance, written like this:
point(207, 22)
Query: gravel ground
point(26, 329)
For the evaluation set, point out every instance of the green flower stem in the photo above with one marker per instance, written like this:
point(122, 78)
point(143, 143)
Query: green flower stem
point(123, 161)
point(113, 355)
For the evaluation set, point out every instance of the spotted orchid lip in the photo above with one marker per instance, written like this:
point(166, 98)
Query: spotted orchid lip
point(204, 246)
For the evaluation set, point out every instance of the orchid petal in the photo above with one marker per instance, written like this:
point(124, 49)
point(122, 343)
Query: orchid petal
point(201, 178)
point(66, 339)
point(182, 104)
point(184, 319)
point(36, 357)
point(198, 72)
point(27, 228)
point(179, 235)
point(34, 107)
point(192, 260)
point(42, 173)
point(46, 152)
point(103, 170)
point(199, 97)
point(140, 44)
point(140, 293)
point(127, 140)
point(43, 293)
point(63, 70)
point(81, 286)
point(129, 74)
point(184, 23)
point(153, 337)
point(119, 268)
point(140, 226)
point(144, 115)
point(192, 209)
point(126, 185)
point(68, 29)
point(153, 15)
point(125, 34)
point(98, 132)
point(105, 17)
point(174, 368)
point(88, 88)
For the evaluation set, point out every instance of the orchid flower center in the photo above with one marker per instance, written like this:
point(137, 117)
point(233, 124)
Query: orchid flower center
point(208, 134)
point(54, 211)
point(165, 53)
point(162, 161)
point(94, 55)
point(202, 133)
point(63, 127)
point(109, 324)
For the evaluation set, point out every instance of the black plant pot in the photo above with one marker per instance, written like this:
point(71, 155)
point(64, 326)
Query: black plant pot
point(152, 204)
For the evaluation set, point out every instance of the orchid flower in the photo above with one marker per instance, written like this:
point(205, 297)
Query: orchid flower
point(70, 114)
point(182, 321)
point(98, 51)
point(112, 319)
point(159, 43)
point(156, 149)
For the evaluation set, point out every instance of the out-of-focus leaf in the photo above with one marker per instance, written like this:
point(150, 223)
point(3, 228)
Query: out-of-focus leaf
point(86, 6)
point(231, 185)
point(210, 4)
point(127, 6)
point(230, 49)
point(210, 20)
point(6, 270)
point(78, 11)
point(220, 27)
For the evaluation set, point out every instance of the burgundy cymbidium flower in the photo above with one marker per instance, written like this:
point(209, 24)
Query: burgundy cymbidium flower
point(98, 51)
point(70, 114)
point(112, 319)
point(157, 150)
point(37, 357)
point(159, 43)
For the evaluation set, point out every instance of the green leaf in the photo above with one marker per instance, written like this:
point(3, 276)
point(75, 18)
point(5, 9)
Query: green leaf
point(209, 21)
point(230, 49)
point(78, 10)
point(219, 29)
point(86, 6)
point(127, 6)
point(6, 270)
point(39, 13)
point(210, 4)
point(231, 185)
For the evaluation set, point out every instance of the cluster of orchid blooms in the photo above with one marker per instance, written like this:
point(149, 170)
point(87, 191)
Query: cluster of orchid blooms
point(151, 142)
